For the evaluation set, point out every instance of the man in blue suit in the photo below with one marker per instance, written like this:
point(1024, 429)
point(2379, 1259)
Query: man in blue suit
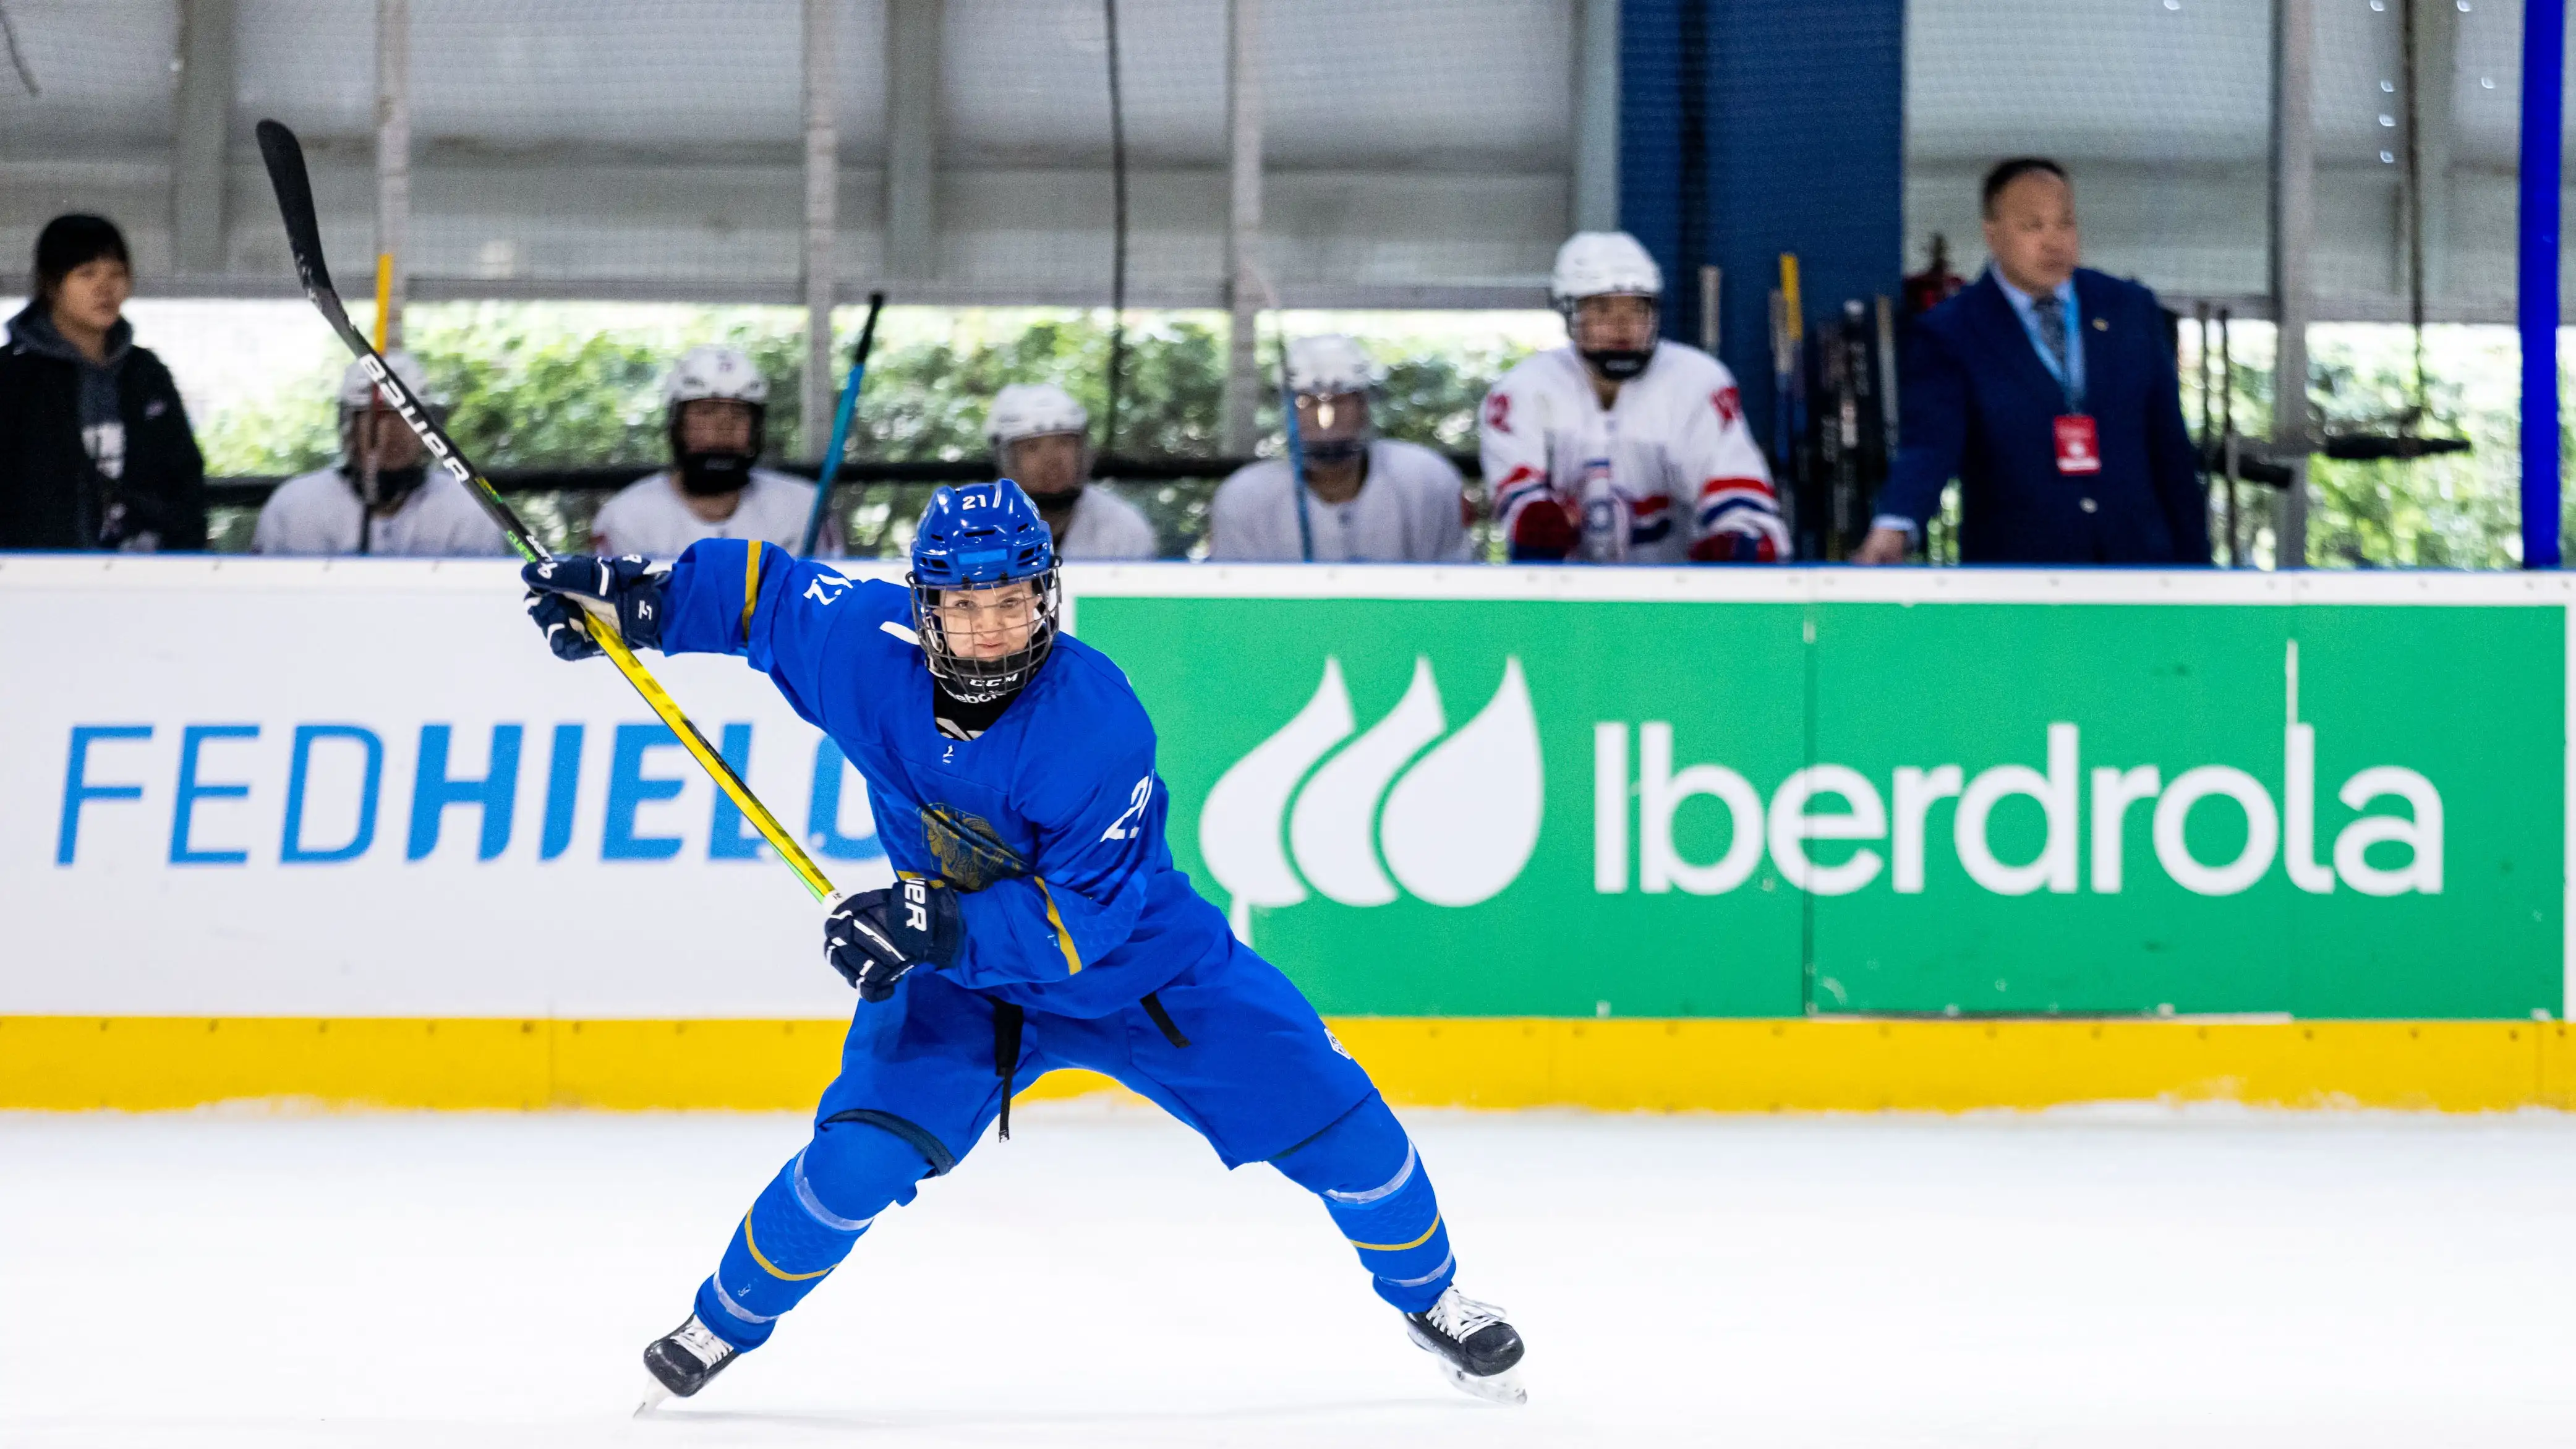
point(2049, 392)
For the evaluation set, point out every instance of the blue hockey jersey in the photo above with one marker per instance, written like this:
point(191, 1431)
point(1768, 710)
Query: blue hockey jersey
point(1050, 823)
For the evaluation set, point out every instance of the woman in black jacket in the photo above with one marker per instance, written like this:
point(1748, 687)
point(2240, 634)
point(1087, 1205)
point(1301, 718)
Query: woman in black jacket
point(95, 449)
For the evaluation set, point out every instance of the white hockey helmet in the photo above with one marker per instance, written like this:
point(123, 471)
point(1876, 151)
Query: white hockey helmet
point(713, 370)
point(1328, 365)
point(1032, 410)
point(1603, 263)
point(357, 389)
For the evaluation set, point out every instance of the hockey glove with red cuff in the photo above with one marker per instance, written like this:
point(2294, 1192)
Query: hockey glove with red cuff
point(873, 937)
point(1544, 531)
point(1734, 548)
point(628, 585)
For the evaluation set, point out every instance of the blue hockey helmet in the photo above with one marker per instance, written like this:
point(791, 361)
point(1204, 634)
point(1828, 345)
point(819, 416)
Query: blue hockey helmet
point(978, 539)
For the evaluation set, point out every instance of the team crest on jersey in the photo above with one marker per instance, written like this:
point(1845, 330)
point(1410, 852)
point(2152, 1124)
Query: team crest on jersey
point(1498, 412)
point(1729, 404)
point(969, 850)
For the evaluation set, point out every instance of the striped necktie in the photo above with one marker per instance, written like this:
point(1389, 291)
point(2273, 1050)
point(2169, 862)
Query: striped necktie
point(2052, 328)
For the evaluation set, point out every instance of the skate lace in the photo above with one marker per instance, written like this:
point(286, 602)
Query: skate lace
point(1462, 1317)
point(701, 1342)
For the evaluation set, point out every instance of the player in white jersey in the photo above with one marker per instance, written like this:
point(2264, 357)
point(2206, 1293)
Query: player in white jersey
point(1621, 448)
point(417, 511)
point(718, 404)
point(1041, 438)
point(1366, 499)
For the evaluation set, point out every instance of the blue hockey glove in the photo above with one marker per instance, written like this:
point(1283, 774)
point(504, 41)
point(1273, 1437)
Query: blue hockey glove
point(873, 937)
point(627, 584)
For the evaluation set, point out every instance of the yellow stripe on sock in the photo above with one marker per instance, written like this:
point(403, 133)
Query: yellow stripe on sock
point(1063, 938)
point(750, 586)
point(1354, 1242)
point(774, 1271)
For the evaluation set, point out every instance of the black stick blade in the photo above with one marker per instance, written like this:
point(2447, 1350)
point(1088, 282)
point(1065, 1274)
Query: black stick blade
point(868, 331)
point(294, 187)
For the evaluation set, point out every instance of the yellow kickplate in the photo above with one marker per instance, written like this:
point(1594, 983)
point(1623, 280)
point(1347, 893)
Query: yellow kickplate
point(161, 1063)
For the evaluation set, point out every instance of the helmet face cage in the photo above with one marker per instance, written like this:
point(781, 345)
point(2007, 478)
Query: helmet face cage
point(980, 681)
point(1616, 363)
point(972, 539)
point(1571, 309)
point(1006, 458)
point(1337, 450)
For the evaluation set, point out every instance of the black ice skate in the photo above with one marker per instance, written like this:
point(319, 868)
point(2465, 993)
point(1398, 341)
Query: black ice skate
point(682, 1361)
point(1477, 1348)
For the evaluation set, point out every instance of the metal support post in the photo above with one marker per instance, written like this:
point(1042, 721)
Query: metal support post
point(2294, 234)
point(1596, 115)
point(822, 194)
point(1243, 223)
point(914, 39)
point(205, 113)
point(393, 159)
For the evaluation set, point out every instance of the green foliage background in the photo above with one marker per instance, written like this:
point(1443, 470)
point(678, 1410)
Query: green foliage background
point(566, 385)
point(575, 385)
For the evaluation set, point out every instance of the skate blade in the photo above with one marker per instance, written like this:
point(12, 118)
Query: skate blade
point(1502, 1388)
point(654, 1398)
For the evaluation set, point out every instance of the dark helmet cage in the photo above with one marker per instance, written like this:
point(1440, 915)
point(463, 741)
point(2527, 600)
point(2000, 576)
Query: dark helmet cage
point(759, 422)
point(983, 536)
point(1616, 363)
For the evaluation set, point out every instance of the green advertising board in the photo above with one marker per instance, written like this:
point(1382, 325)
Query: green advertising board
point(1669, 793)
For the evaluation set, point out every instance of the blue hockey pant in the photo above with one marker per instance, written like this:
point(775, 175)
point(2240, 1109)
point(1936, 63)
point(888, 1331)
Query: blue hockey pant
point(1229, 1047)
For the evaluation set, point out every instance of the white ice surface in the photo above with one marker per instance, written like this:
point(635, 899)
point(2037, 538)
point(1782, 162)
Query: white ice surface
point(2104, 1278)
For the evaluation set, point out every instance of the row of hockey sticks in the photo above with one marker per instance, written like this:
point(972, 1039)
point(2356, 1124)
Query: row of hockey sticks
point(830, 471)
point(1833, 421)
point(284, 156)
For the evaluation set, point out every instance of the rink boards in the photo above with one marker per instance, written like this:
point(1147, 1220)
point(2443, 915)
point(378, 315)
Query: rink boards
point(1624, 838)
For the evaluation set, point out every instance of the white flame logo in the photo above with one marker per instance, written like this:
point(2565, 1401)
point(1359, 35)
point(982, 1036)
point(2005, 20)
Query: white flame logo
point(1453, 830)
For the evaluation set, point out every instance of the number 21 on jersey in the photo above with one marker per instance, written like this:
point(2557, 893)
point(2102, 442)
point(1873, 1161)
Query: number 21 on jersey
point(1125, 826)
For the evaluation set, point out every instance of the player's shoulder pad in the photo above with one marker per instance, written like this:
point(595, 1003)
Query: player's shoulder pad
point(1414, 461)
point(293, 490)
point(1544, 367)
point(1691, 368)
point(633, 493)
point(1114, 506)
point(1088, 695)
point(879, 601)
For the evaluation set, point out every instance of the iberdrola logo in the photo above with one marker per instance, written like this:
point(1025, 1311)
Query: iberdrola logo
point(1355, 817)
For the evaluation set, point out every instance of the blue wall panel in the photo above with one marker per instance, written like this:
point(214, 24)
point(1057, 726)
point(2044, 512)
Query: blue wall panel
point(1753, 127)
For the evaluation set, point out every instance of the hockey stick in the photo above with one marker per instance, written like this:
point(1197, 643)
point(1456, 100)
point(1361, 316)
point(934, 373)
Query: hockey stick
point(830, 469)
point(1288, 422)
point(370, 480)
point(284, 156)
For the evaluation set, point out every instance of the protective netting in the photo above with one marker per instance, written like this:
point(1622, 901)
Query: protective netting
point(656, 148)
point(2163, 111)
point(1416, 151)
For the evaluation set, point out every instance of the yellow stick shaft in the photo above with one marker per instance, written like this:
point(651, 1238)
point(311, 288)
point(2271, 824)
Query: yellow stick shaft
point(384, 298)
point(604, 633)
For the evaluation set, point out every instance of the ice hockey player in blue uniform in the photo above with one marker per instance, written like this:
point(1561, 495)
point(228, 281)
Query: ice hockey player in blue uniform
point(1036, 921)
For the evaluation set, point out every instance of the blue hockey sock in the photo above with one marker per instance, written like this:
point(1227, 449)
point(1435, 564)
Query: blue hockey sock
point(802, 1225)
point(1373, 1182)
